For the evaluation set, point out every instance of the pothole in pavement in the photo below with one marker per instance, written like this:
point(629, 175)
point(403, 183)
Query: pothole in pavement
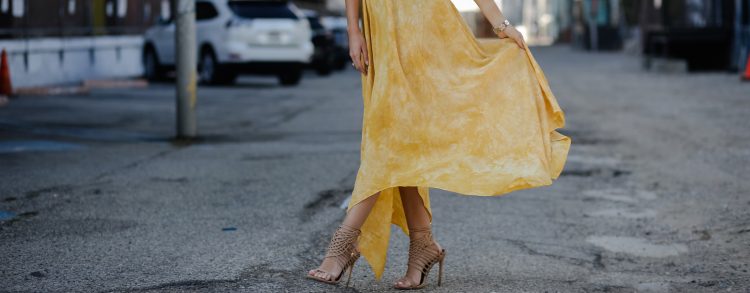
point(590, 165)
point(636, 246)
point(8, 217)
point(595, 172)
point(325, 198)
point(584, 137)
point(54, 191)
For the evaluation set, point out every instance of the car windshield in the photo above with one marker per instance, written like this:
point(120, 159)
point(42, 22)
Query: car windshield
point(262, 9)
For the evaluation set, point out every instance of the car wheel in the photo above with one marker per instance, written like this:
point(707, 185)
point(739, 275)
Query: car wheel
point(323, 70)
point(325, 66)
point(207, 68)
point(211, 72)
point(342, 59)
point(151, 66)
point(340, 63)
point(291, 77)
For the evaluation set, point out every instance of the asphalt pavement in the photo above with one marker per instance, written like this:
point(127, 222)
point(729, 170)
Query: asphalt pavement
point(97, 196)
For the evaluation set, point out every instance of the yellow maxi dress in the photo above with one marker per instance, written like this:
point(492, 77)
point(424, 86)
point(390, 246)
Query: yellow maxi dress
point(443, 109)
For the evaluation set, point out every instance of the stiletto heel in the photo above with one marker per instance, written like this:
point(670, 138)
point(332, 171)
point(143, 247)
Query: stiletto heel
point(345, 252)
point(351, 268)
point(420, 257)
point(440, 270)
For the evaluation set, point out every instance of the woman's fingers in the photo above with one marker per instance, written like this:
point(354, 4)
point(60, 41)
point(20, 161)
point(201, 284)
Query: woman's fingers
point(361, 63)
point(366, 59)
point(356, 61)
point(358, 52)
point(519, 41)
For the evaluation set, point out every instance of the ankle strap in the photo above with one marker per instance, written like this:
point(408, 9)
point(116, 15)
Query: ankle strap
point(342, 246)
point(347, 227)
point(420, 229)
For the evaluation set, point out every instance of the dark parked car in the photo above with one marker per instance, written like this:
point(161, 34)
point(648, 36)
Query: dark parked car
point(324, 56)
point(337, 26)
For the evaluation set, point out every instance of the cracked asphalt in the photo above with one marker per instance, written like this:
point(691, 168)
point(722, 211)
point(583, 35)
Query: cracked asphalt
point(95, 195)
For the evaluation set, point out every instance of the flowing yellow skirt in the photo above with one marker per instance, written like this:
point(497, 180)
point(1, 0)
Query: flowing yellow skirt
point(443, 109)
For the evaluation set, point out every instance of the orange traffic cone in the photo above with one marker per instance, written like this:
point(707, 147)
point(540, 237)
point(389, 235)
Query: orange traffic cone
point(6, 89)
point(746, 76)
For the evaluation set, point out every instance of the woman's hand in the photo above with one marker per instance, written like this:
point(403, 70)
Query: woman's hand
point(513, 33)
point(358, 52)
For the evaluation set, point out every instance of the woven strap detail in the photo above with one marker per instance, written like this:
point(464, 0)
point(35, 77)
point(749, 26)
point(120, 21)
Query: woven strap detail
point(342, 247)
point(421, 252)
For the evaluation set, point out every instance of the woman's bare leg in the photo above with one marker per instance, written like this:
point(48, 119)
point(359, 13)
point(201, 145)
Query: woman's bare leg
point(416, 217)
point(359, 212)
point(416, 214)
point(354, 219)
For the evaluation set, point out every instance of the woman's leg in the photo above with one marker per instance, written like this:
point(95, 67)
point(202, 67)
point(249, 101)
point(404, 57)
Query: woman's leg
point(416, 214)
point(359, 212)
point(354, 219)
point(417, 218)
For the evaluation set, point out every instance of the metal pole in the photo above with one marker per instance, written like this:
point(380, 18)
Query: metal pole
point(186, 68)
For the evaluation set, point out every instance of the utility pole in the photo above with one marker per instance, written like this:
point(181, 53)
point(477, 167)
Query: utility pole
point(185, 48)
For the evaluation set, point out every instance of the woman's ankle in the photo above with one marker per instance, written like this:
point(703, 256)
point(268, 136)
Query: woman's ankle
point(416, 232)
point(349, 227)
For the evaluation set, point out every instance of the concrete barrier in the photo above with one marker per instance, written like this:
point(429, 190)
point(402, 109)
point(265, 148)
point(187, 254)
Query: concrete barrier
point(54, 61)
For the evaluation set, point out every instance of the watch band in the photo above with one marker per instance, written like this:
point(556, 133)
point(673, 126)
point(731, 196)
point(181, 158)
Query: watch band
point(501, 27)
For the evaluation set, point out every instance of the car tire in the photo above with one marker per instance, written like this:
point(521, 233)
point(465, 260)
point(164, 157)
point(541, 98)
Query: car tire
point(152, 69)
point(290, 78)
point(210, 71)
point(325, 66)
point(340, 63)
point(323, 69)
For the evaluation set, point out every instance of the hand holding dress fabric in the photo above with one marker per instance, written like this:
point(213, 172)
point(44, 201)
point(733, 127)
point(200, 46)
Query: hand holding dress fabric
point(512, 33)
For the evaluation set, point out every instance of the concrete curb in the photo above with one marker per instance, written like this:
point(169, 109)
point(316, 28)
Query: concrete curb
point(51, 91)
point(115, 83)
point(84, 88)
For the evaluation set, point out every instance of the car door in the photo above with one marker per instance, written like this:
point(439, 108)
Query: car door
point(163, 40)
point(209, 27)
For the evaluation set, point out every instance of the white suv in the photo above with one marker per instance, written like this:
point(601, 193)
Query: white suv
point(234, 36)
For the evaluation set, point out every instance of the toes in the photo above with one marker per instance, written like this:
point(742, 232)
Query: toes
point(403, 283)
point(315, 273)
point(318, 273)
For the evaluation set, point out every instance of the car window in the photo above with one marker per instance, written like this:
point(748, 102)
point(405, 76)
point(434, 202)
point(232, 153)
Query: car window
point(205, 11)
point(262, 9)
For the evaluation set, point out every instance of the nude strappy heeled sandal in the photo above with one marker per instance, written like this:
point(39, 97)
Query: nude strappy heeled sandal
point(344, 251)
point(421, 257)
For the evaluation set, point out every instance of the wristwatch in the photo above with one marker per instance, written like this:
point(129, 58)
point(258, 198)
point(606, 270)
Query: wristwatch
point(501, 27)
